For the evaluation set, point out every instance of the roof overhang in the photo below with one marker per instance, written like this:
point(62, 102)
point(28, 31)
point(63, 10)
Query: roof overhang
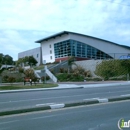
point(52, 36)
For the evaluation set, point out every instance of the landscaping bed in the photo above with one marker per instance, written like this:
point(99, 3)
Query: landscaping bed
point(27, 86)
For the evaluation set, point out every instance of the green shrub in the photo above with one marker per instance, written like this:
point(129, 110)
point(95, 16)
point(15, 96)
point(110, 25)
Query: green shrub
point(21, 70)
point(78, 78)
point(69, 77)
point(43, 78)
point(11, 80)
point(29, 73)
point(6, 74)
point(93, 79)
point(61, 70)
point(62, 77)
point(5, 78)
point(87, 74)
point(78, 71)
point(112, 68)
point(77, 74)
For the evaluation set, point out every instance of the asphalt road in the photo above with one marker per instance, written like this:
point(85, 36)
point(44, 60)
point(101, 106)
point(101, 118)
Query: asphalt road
point(94, 117)
point(40, 98)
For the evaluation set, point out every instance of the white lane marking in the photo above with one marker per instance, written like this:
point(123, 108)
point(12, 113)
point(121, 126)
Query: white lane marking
point(43, 98)
point(103, 100)
point(56, 106)
point(59, 97)
point(44, 104)
point(91, 98)
point(7, 122)
point(126, 95)
point(42, 117)
point(67, 113)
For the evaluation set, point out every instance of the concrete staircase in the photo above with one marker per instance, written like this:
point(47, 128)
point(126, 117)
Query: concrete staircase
point(40, 73)
point(51, 75)
point(56, 68)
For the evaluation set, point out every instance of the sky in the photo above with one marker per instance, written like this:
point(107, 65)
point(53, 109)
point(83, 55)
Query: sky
point(22, 22)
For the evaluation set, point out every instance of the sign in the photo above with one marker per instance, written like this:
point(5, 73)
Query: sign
point(125, 57)
point(122, 124)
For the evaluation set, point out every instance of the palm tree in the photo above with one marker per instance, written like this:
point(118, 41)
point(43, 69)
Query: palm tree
point(70, 63)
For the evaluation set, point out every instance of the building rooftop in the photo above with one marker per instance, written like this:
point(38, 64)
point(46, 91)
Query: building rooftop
point(68, 32)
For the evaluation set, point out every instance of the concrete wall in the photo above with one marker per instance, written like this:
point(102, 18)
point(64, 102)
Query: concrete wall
point(88, 65)
point(36, 53)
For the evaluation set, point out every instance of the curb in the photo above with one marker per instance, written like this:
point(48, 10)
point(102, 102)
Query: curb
point(25, 110)
point(68, 87)
point(39, 89)
point(106, 85)
point(112, 99)
point(62, 105)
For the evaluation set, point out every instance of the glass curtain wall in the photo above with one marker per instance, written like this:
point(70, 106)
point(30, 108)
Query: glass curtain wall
point(78, 49)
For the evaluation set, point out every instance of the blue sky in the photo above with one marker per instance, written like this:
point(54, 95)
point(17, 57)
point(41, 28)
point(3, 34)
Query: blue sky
point(22, 22)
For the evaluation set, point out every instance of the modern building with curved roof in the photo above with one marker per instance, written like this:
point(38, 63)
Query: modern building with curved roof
point(60, 46)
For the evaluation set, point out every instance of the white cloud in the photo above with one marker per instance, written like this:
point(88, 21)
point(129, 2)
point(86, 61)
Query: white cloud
point(22, 22)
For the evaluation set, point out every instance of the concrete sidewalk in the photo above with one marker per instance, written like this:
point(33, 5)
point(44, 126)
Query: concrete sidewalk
point(73, 85)
point(92, 84)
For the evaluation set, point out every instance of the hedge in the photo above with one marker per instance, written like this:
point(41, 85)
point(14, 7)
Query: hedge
point(112, 68)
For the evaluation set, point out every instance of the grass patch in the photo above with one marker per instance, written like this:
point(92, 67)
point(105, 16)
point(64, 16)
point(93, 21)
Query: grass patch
point(27, 86)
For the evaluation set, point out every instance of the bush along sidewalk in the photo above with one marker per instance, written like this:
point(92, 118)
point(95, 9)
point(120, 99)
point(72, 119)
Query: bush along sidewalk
point(113, 69)
point(78, 74)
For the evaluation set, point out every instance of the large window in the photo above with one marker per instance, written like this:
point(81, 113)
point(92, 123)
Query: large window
point(78, 49)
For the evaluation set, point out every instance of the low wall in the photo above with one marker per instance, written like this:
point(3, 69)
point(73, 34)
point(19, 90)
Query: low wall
point(88, 65)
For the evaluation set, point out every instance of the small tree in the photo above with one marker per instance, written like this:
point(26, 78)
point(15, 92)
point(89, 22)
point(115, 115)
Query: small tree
point(29, 73)
point(30, 60)
point(6, 59)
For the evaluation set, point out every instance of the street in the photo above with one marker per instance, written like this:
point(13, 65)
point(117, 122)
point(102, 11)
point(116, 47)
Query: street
point(93, 117)
point(10, 101)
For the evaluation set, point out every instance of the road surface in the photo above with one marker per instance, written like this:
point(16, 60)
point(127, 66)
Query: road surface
point(94, 117)
point(18, 100)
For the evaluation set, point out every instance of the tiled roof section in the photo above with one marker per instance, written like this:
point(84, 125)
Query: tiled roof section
point(68, 32)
